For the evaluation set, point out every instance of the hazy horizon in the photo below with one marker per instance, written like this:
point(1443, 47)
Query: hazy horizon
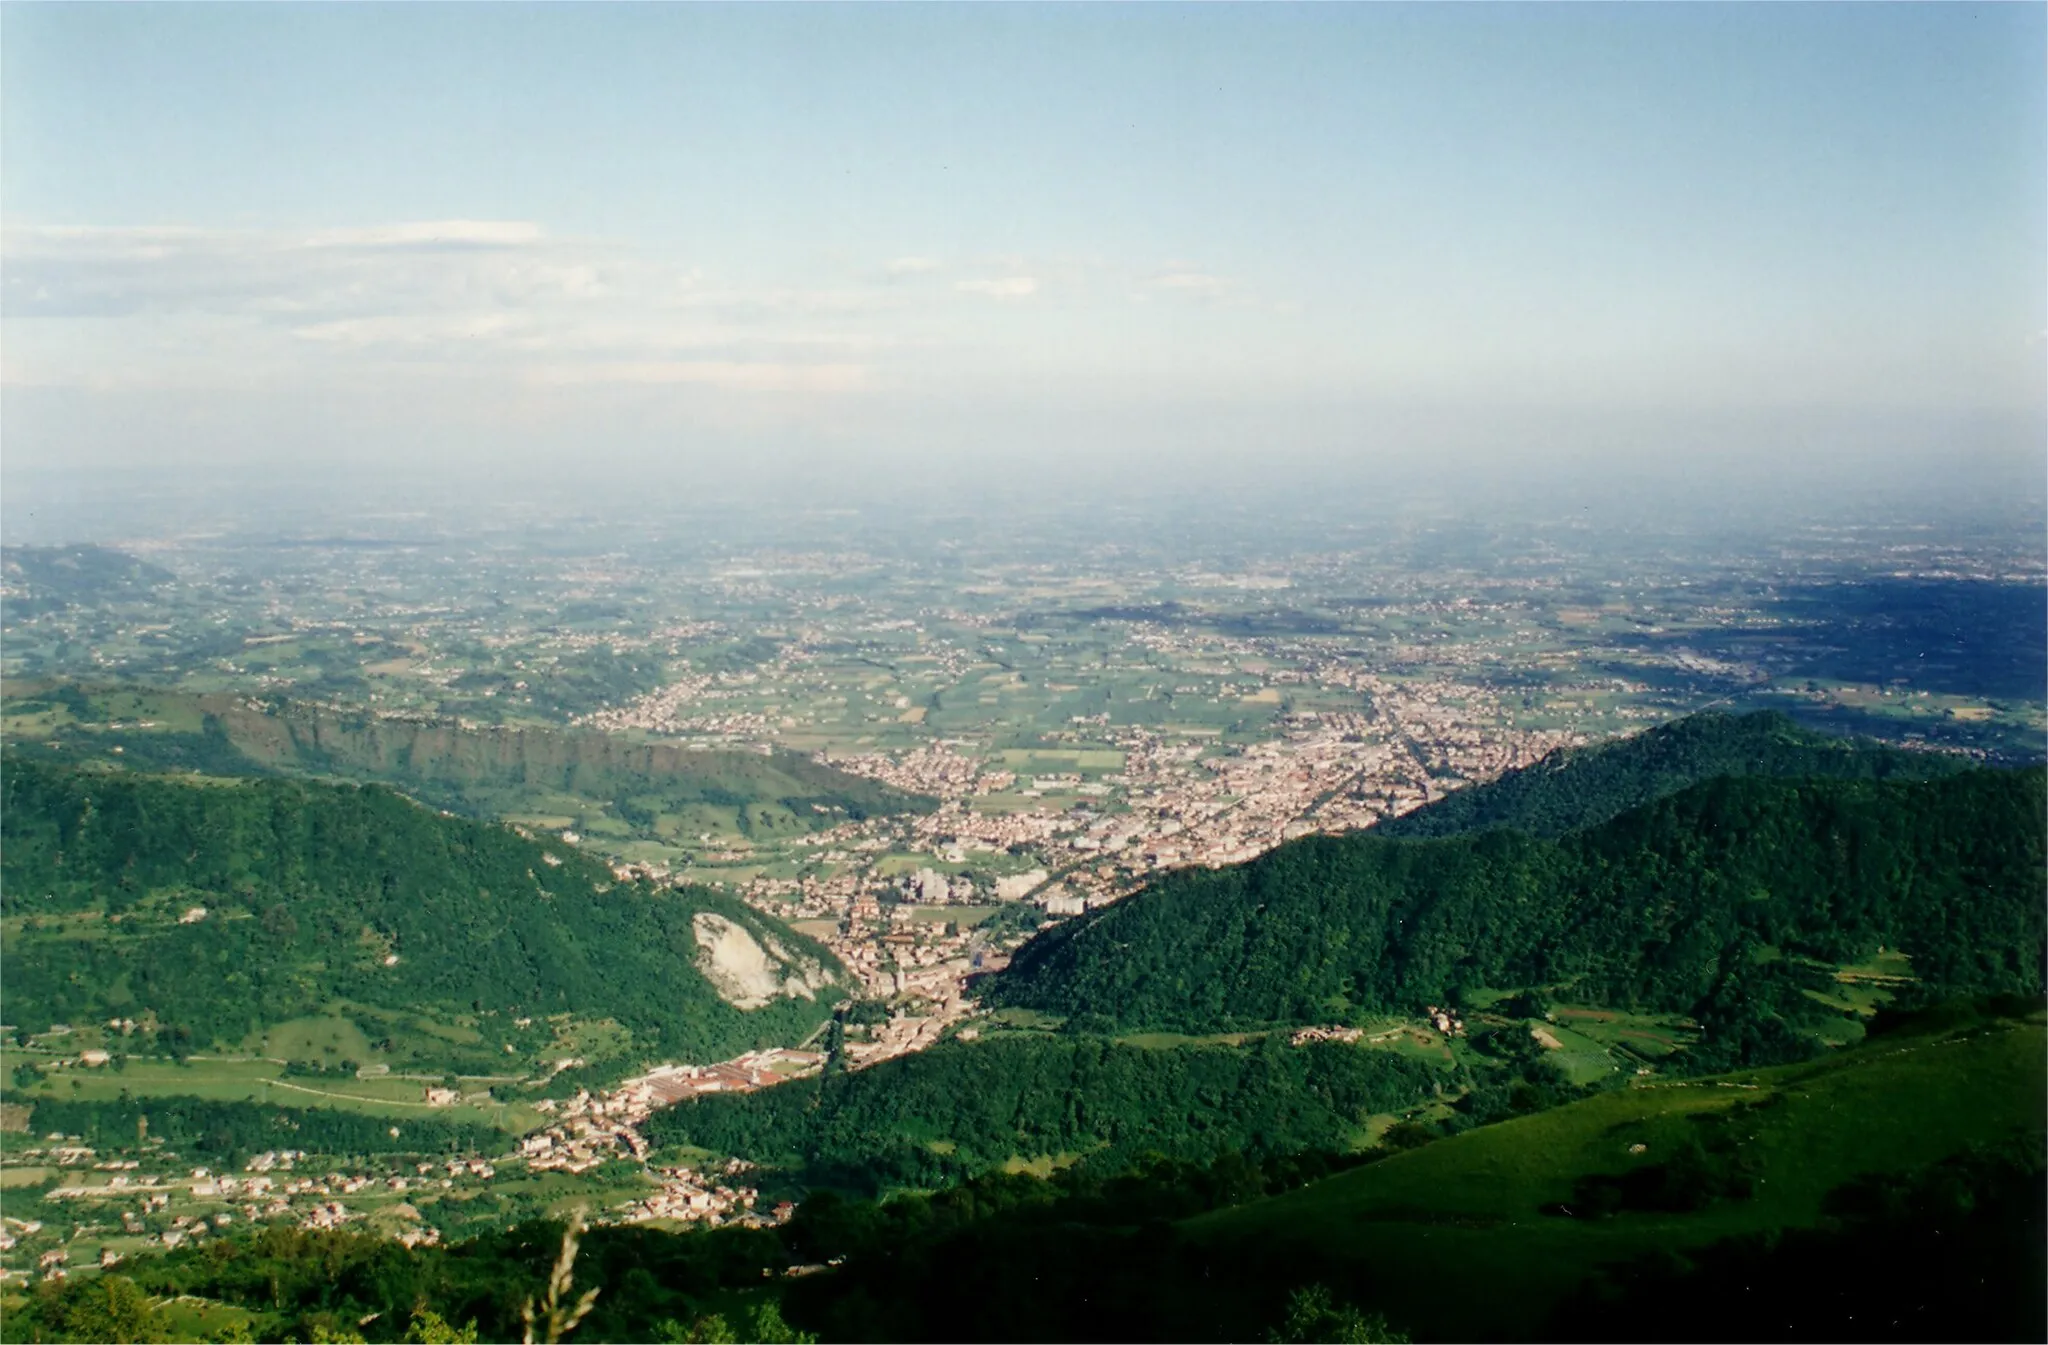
point(627, 255)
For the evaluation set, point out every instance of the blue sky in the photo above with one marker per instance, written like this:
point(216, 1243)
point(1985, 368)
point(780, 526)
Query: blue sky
point(659, 235)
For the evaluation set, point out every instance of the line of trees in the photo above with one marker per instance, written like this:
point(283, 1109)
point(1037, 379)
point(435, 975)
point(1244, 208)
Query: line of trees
point(231, 1131)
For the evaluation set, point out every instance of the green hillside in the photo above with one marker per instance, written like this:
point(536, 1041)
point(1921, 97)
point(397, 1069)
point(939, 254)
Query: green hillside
point(1577, 787)
point(237, 914)
point(963, 1108)
point(1728, 902)
point(1519, 1208)
point(609, 786)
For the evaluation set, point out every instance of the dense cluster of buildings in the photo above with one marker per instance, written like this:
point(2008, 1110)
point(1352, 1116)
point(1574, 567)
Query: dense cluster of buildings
point(169, 1209)
point(702, 1195)
point(1175, 800)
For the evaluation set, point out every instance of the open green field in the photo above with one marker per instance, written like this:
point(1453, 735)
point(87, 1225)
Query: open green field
point(350, 1033)
point(1470, 1209)
point(1583, 1058)
point(312, 1039)
point(1884, 965)
point(897, 864)
point(263, 1081)
point(1042, 1166)
point(1411, 1037)
point(187, 1318)
point(1621, 1034)
point(1026, 760)
point(1022, 1020)
point(1166, 1041)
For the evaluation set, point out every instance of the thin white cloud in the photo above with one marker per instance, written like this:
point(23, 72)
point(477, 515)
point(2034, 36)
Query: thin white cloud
point(506, 301)
point(85, 305)
point(426, 266)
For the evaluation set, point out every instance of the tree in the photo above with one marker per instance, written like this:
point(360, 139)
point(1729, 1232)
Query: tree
point(765, 1324)
point(1403, 1135)
point(1312, 1315)
point(105, 1307)
point(430, 1328)
point(235, 1331)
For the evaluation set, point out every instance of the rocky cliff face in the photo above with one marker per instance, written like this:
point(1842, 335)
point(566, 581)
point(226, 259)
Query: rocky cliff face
point(749, 968)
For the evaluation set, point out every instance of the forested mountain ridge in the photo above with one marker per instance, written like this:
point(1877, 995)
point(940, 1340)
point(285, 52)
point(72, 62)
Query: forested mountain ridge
point(1577, 787)
point(479, 770)
point(209, 910)
point(1727, 902)
point(458, 760)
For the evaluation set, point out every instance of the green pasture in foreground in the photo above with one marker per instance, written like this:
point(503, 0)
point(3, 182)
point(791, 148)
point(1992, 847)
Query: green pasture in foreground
point(1475, 1201)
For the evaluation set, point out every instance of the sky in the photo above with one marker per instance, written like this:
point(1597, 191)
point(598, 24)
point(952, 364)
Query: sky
point(656, 244)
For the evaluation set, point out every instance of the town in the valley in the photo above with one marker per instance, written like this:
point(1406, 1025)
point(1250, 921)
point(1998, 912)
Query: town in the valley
point(1068, 729)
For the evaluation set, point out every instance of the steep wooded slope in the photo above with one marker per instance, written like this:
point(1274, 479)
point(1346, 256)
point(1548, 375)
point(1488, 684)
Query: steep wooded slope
point(210, 910)
point(1727, 901)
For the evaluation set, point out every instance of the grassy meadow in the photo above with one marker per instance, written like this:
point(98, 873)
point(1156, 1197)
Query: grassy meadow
point(1472, 1208)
